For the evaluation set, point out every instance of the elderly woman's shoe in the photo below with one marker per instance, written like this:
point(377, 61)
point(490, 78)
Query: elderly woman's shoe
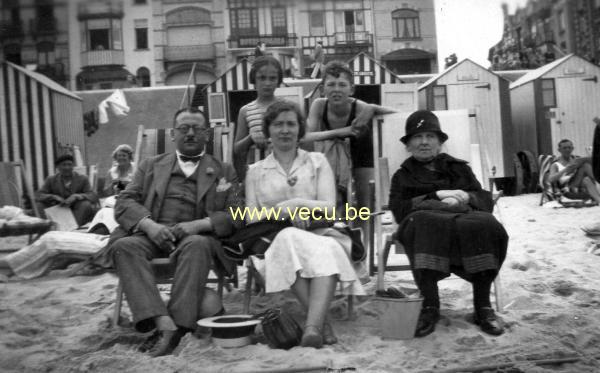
point(428, 317)
point(487, 320)
point(329, 337)
point(312, 337)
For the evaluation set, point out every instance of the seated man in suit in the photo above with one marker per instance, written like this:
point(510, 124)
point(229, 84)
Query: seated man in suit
point(68, 188)
point(177, 205)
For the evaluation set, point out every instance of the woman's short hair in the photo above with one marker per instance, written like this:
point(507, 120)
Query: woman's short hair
point(266, 61)
point(125, 149)
point(336, 69)
point(282, 106)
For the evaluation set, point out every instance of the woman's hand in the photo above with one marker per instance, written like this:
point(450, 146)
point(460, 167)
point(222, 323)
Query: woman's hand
point(258, 139)
point(451, 201)
point(459, 195)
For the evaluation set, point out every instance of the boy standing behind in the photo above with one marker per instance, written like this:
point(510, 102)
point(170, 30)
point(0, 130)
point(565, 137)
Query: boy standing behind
point(337, 117)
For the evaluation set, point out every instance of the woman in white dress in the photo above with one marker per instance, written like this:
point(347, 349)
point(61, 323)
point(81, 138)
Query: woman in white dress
point(310, 263)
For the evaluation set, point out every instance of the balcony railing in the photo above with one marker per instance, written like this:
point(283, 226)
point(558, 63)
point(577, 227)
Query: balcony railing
point(250, 41)
point(97, 9)
point(43, 26)
point(102, 58)
point(363, 38)
point(11, 30)
point(190, 52)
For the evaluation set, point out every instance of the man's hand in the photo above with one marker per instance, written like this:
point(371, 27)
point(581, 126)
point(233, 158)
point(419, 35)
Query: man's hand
point(460, 195)
point(349, 131)
point(159, 234)
point(184, 229)
point(58, 199)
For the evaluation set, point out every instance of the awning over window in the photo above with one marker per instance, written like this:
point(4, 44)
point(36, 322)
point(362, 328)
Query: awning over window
point(91, 75)
point(408, 54)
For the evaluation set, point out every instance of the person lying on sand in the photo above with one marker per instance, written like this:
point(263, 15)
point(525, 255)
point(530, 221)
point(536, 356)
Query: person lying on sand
point(176, 206)
point(573, 174)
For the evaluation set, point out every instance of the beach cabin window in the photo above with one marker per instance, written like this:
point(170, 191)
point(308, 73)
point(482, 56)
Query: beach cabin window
point(216, 108)
point(317, 23)
point(548, 93)
point(406, 24)
point(440, 100)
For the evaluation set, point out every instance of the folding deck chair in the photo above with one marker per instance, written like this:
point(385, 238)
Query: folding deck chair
point(387, 131)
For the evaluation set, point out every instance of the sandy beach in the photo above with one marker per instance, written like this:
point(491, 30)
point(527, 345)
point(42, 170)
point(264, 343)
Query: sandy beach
point(550, 283)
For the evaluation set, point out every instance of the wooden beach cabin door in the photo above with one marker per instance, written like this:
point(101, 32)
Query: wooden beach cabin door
point(400, 96)
point(294, 94)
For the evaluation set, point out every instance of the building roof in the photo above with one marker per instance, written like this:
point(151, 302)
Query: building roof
point(539, 72)
point(434, 78)
point(51, 84)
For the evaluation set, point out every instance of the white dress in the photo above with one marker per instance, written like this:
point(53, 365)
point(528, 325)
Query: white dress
point(318, 253)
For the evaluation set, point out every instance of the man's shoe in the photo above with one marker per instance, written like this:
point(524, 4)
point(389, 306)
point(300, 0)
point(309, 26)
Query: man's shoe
point(487, 320)
point(167, 341)
point(428, 317)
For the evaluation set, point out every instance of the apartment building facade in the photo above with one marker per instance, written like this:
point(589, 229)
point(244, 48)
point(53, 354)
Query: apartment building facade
point(545, 30)
point(34, 33)
point(105, 44)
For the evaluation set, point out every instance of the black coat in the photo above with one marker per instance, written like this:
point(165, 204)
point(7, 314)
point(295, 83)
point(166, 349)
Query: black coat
point(437, 236)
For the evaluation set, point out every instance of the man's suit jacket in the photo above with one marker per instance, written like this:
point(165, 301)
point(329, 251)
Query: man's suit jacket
point(54, 185)
point(217, 192)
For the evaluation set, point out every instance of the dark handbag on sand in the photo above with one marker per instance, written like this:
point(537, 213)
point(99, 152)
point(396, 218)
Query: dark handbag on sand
point(280, 329)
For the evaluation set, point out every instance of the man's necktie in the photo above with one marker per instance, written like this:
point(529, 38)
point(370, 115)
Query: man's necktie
point(185, 158)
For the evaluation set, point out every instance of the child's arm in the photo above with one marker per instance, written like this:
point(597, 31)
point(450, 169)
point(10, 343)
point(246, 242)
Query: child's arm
point(242, 141)
point(314, 119)
point(365, 113)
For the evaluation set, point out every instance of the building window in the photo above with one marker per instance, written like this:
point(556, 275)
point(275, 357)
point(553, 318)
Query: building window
point(244, 17)
point(46, 53)
point(139, 2)
point(406, 24)
point(317, 23)
point(279, 21)
point(141, 34)
point(548, 93)
point(561, 21)
point(101, 34)
point(440, 101)
point(143, 77)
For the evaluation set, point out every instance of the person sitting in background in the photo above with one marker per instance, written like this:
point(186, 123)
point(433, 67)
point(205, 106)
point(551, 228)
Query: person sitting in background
point(121, 172)
point(573, 174)
point(445, 223)
point(311, 263)
point(68, 188)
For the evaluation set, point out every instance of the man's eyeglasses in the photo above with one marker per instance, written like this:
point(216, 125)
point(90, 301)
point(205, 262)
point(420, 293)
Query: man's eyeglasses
point(198, 130)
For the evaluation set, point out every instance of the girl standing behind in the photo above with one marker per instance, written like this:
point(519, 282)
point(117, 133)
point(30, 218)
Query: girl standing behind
point(250, 144)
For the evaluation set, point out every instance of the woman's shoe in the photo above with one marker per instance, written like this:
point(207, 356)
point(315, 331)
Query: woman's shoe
point(312, 337)
point(487, 320)
point(428, 317)
point(329, 337)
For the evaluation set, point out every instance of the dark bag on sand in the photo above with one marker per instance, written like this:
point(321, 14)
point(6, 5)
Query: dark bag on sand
point(280, 329)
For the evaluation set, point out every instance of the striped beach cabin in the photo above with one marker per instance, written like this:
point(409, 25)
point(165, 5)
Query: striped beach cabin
point(376, 84)
point(37, 116)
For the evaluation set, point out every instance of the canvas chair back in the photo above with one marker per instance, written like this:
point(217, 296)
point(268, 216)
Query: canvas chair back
point(549, 190)
point(151, 142)
point(16, 184)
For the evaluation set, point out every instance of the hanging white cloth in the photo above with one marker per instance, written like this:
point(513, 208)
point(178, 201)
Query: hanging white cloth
point(116, 102)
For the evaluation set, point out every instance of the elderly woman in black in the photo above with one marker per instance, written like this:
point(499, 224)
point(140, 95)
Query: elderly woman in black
point(445, 223)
